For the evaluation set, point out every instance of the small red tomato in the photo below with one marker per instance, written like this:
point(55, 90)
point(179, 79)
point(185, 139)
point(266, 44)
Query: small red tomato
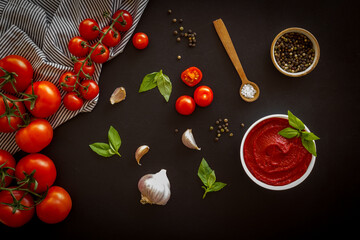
point(100, 54)
point(88, 68)
point(45, 171)
point(89, 29)
point(34, 137)
point(11, 122)
point(20, 216)
point(55, 207)
point(185, 105)
point(191, 76)
point(78, 46)
point(67, 81)
point(6, 160)
point(112, 38)
point(89, 89)
point(203, 96)
point(72, 101)
point(140, 40)
point(124, 22)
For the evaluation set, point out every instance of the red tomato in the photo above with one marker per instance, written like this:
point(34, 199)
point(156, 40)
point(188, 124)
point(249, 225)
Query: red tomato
point(191, 76)
point(34, 137)
point(45, 171)
point(89, 89)
point(89, 29)
point(78, 46)
point(88, 68)
point(21, 67)
point(55, 207)
point(124, 22)
point(100, 54)
point(72, 101)
point(67, 81)
point(112, 38)
point(140, 40)
point(185, 105)
point(13, 115)
point(6, 160)
point(48, 99)
point(203, 96)
point(20, 217)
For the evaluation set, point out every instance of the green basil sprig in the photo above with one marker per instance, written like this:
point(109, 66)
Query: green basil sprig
point(108, 149)
point(157, 79)
point(297, 129)
point(207, 176)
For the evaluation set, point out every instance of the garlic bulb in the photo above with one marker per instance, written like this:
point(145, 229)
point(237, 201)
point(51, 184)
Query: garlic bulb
point(118, 95)
point(140, 152)
point(155, 188)
point(188, 140)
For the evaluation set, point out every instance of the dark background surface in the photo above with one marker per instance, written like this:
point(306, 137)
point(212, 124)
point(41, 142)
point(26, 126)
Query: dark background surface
point(104, 190)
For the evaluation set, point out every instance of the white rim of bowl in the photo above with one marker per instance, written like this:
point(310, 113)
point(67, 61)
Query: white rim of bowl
point(262, 184)
point(315, 46)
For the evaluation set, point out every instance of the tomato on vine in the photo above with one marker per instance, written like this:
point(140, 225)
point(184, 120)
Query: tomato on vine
point(67, 81)
point(7, 164)
point(89, 89)
point(78, 46)
point(89, 29)
point(72, 101)
point(11, 114)
point(112, 37)
point(124, 22)
point(100, 54)
point(87, 69)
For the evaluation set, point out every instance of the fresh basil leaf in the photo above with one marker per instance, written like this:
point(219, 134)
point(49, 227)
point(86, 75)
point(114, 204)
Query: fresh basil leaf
point(295, 122)
point(204, 172)
point(164, 85)
point(114, 139)
point(309, 145)
point(102, 149)
point(211, 179)
point(217, 186)
point(309, 136)
point(289, 132)
point(148, 82)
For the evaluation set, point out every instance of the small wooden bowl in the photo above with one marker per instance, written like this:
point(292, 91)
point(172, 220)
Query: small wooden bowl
point(315, 46)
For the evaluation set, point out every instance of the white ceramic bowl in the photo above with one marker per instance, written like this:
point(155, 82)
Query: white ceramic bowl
point(315, 46)
point(260, 183)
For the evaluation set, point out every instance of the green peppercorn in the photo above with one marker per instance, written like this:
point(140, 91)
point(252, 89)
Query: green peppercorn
point(211, 128)
point(222, 130)
point(181, 28)
point(231, 134)
point(219, 135)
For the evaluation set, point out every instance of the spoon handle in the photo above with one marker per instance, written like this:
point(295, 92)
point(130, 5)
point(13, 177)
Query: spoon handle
point(229, 47)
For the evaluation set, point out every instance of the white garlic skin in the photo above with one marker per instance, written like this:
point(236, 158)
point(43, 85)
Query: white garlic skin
point(155, 188)
point(140, 152)
point(188, 140)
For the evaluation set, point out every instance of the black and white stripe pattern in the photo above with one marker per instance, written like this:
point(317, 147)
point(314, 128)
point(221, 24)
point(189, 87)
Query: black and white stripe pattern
point(40, 30)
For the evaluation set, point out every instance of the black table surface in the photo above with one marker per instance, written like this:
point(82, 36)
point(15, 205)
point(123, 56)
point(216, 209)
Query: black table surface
point(104, 190)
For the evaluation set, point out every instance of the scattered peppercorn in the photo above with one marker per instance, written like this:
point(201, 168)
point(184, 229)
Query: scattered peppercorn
point(178, 39)
point(181, 28)
point(226, 120)
point(169, 11)
point(174, 20)
point(181, 20)
point(175, 32)
point(178, 57)
point(243, 125)
point(211, 128)
point(176, 130)
point(231, 134)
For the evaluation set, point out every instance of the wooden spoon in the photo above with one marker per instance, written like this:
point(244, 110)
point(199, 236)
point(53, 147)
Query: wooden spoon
point(230, 49)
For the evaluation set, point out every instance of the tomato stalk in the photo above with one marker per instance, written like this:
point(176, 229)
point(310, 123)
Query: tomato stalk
point(9, 77)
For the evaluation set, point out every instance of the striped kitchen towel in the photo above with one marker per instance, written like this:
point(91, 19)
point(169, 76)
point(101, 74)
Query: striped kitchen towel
point(40, 30)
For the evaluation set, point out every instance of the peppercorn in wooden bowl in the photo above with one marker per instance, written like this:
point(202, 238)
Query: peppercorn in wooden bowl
point(295, 52)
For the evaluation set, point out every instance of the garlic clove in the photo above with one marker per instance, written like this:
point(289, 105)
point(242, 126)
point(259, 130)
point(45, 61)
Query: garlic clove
point(118, 95)
point(155, 188)
point(188, 140)
point(140, 152)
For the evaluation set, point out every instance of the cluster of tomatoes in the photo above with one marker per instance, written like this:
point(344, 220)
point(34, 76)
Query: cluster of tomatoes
point(35, 175)
point(78, 83)
point(203, 95)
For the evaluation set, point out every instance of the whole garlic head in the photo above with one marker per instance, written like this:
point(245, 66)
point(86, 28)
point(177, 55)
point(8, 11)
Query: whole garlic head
point(155, 188)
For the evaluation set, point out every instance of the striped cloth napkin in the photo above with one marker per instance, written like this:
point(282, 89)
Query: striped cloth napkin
point(40, 30)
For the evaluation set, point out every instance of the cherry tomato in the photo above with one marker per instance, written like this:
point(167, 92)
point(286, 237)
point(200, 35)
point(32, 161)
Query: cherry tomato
point(100, 54)
point(124, 22)
point(34, 137)
point(6, 160)
point(185, 105)
point(15, 116)
point(89, 29)
point(67, 81)
point(191, 76)
point(72, 101)
point(45, 171)
point(88, 68)
point(21, 67)
point(140, 40)
point(21, 216)
point(55, 207)
point(48, 99)
point(78, 46)
point(203, 96)
point(112, 38)
point(89, 89)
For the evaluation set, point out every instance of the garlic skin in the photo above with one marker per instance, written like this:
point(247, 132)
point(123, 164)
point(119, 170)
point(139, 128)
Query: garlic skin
point(140, 152)
point(155, 188)
point(118, 95)
point(188, 140)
